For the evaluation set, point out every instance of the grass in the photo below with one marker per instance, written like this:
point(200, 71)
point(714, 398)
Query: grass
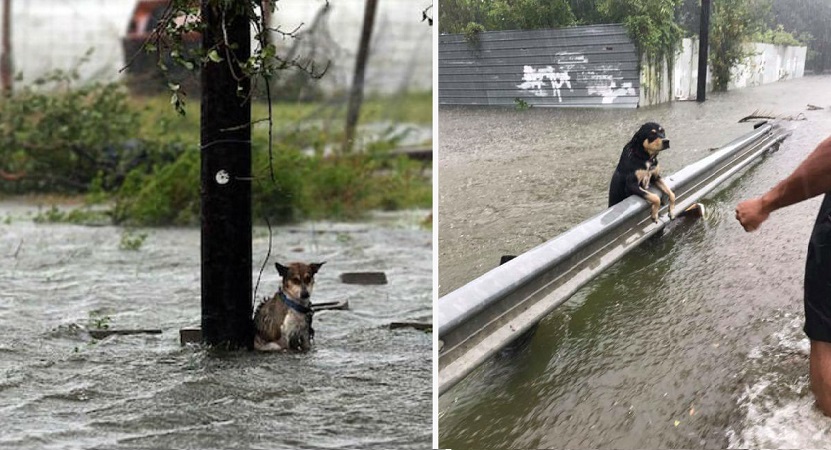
point(341, 187)
point(159, 120)
point(312, 179)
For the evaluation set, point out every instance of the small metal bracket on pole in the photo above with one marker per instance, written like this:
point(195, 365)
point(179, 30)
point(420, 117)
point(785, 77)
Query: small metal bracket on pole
point(703, 47)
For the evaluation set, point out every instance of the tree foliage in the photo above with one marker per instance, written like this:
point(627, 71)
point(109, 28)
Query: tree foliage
point(779, 36)
point(733, 24)
point(809, 20)
point(181, 19)
point(456, 15)
point(650, 23)
point(61, 139)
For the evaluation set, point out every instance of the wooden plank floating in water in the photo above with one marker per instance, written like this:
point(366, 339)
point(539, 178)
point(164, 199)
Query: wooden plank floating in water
point(420, 326)
point(695, 211)
point(101, 334)
point(340, 305)
point(190, 336)
point(363, 278)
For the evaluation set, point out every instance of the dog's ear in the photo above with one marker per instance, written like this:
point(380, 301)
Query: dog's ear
point(316, 266)
point(281, 269)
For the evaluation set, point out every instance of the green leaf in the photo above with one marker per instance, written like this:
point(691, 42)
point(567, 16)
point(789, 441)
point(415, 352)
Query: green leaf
point(213, 55)
point(269, 51)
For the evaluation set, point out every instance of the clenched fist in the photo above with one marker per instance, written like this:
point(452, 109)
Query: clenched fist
point(751, 213)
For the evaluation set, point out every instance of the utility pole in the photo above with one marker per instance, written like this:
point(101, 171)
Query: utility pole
point(356, 95)
point(703, 47)
point(6, 56)
point(226, 181)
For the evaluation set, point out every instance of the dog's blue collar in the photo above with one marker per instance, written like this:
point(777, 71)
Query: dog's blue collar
point(294, 305)
point(308, 312)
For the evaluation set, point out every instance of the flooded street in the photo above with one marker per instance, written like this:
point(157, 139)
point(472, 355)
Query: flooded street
point(362, 385)
point(692, 340)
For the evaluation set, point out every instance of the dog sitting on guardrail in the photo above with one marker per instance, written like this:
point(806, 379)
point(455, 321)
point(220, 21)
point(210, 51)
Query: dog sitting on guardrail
point(284, 322)
point(638, 168)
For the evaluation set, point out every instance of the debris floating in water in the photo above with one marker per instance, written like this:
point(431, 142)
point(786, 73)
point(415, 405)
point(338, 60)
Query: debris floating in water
point(101, 334)
point(363, 278)
point(421, 326)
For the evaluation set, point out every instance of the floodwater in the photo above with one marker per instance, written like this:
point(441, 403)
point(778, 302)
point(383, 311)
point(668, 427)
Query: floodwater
point(693, 340)
point(362, 385)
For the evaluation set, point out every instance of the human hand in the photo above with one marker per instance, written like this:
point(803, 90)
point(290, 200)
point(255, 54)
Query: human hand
point(751, 213)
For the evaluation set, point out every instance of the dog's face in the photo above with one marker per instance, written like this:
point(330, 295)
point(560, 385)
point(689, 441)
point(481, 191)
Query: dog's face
point(652, 137)
point(298, 278)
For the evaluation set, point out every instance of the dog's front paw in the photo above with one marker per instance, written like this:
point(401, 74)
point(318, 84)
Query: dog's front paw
point(671, 214)
point(654, 218)
point(268, 347)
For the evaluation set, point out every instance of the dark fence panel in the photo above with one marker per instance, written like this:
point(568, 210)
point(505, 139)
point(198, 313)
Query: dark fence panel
point(591, 66)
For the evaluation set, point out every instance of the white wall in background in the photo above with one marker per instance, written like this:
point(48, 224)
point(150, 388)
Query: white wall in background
point(402, 45)
point(769, 63)
point(55, 34)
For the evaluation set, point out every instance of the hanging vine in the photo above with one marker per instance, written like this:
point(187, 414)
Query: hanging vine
point(652, 26)
point(734, 23)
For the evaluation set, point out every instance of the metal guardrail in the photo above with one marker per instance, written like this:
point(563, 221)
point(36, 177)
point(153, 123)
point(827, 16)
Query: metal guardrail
point(481, 317)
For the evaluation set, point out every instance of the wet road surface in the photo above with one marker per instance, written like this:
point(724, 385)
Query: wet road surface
point(693, 340)
point(362, 385)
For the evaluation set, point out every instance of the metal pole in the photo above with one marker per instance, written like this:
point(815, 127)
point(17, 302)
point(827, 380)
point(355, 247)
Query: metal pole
point(226, 182)
point(703, 47)
point(356, 96)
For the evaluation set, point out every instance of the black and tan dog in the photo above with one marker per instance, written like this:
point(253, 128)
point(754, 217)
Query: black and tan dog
point(284, 322)
point(638, 168)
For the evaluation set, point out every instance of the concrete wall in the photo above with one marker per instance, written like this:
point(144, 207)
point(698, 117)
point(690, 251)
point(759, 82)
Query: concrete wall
point(769, 63)
point(655, 84)
point(55, 34)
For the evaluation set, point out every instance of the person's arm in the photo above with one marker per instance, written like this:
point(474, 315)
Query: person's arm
point(811, 178)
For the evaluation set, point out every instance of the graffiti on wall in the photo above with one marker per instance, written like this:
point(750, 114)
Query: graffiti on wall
point(533, 80)
point(570, 67)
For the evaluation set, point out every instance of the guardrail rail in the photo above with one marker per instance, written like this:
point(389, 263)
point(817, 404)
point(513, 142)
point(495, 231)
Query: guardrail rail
point(481, 317)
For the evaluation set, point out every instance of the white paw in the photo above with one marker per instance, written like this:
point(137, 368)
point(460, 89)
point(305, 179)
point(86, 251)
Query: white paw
point(268, 347)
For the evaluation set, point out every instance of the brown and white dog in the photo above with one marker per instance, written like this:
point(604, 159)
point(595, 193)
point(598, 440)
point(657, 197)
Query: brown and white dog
point(284, 322)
